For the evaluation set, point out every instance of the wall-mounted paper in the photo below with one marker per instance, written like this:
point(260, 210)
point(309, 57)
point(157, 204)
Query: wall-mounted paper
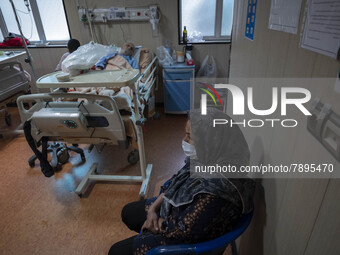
point(321, 32)
point(250, 22)
point(284, 15)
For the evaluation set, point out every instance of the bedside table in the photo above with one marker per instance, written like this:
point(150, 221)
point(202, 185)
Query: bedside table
point(177, 87)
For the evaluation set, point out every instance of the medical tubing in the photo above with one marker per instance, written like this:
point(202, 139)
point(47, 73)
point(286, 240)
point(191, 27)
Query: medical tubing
point(89, 20)
point(46, 168)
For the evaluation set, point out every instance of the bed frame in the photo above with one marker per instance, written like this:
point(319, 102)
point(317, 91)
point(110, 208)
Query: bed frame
point(13, 83)
point(111, 131)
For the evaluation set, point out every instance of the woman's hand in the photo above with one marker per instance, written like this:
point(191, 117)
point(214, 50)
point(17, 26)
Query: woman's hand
point(160, 222)
point(151, 222)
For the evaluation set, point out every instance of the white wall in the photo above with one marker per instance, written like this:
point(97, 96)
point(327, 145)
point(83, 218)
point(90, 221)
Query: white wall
point(140, 33)
point(293, 215)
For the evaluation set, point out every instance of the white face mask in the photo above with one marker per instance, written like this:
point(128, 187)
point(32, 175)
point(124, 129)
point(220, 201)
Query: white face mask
point(189, 150)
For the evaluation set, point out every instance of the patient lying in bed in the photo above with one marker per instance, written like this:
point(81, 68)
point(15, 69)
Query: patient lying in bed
point(122, 96)
point(123, 60)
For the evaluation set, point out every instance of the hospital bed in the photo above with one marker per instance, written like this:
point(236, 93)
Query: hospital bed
point(13, 83)
point(92, 119)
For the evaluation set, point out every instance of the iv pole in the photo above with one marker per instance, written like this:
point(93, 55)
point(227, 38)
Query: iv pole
point(29, 58)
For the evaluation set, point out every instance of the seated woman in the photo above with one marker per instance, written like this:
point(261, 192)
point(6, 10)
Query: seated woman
point(123, 60)
point(194, 208)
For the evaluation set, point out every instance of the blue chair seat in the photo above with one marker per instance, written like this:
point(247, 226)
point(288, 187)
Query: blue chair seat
point(210, 247)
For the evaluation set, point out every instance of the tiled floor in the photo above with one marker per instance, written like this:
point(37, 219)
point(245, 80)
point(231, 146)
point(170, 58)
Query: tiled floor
point(41, 215)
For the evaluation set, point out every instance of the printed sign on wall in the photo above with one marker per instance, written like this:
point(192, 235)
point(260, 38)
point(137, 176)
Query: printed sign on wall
point(284, 15)
point(250, 22)
point(321, 32)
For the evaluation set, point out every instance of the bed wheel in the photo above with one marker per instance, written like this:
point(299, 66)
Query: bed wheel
point(133, 157)
point(8, 119)
point(63, 156)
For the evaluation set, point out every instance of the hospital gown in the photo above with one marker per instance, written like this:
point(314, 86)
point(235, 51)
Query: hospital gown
point(103, 61)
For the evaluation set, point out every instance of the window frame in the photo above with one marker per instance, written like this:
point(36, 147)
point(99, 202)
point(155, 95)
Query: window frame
point(38, 22)
point(217, 38)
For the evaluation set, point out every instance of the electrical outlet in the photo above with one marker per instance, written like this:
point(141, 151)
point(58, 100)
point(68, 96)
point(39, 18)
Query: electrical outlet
point(315, 122)
point(331, 135)
point(120, 14)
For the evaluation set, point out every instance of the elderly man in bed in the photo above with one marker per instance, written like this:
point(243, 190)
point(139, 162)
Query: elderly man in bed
point(123, 60)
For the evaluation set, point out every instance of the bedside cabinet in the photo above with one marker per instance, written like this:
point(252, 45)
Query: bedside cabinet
point(177, 87)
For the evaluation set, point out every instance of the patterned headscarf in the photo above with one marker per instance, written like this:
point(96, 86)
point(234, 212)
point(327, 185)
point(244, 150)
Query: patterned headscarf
point(223, 145)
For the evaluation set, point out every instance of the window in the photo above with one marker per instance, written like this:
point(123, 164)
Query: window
point(212, 19)
point(46, 20)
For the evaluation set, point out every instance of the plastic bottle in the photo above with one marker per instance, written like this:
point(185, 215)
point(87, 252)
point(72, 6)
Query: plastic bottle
point(185, 35)
point(174, 56)
point(168, 46)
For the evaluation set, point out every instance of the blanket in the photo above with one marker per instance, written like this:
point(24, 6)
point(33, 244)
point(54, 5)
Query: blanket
point(117, 63)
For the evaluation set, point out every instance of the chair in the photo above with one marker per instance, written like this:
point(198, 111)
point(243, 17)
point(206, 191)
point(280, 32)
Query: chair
point(216, 246)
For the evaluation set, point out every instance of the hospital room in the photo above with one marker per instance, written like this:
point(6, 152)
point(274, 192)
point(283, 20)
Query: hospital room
point(169, 127)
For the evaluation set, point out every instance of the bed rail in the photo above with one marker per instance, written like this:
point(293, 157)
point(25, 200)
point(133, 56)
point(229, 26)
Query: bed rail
point(52, 96)
point(147, 69)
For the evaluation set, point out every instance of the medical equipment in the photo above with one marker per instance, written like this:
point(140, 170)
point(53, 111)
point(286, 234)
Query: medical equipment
point(118, 14)
point(60, 154)
point(155, 16)
point(60, 121)
point(112, 14)
point(96, 119)
point(324, 125)
point(13, 83)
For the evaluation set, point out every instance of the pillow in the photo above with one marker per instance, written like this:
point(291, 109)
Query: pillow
point(145, 60)
point(136, 54)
